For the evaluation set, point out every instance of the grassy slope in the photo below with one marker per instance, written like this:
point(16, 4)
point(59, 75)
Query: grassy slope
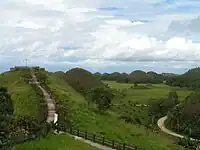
point(63, 90)
point(55, 142)
point(25, 100)
point(107, 125)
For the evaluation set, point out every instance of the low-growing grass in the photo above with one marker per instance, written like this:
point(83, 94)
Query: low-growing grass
point(55, 142)
point(62, 89)
point(113, 128)
point(107, 124)
point(25, 100)
point(143, 96)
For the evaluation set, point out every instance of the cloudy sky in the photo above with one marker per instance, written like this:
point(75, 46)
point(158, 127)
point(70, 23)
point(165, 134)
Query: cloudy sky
point(101, 35)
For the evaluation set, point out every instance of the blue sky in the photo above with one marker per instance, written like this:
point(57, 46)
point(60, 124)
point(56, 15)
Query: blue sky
point(101, 35)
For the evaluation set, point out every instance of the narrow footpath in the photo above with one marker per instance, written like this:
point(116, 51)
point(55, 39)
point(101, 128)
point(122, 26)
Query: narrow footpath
point(52, 112)
point(50, 102)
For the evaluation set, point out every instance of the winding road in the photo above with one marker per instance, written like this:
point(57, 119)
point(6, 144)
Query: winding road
point(161, 125)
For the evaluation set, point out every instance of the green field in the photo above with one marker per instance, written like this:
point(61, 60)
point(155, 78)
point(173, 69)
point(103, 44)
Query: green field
point(87, 119)
point(25, 100)
point(55, 142)
point(143, 96)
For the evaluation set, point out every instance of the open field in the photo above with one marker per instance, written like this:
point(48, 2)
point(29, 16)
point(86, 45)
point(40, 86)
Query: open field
point(144, 95)
point(55, 142)
point(25, 100)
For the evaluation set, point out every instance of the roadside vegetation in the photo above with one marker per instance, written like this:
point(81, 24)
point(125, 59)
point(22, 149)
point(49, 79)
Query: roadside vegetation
point(85, 115)
point(125, 112)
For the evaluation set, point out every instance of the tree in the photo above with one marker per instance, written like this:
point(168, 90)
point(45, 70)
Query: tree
point(102, 98)
point(6, 111)
point(173, 97)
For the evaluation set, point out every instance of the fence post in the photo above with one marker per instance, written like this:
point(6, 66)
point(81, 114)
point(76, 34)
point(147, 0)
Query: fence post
point(103, 141)
point(124, 146)
point(86, 135)
point(113, 144)
point(78, 132)
point(136, 148)
point(94, 136)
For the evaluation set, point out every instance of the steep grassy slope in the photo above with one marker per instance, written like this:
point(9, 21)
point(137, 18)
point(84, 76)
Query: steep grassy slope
point(55, 142)
point(82, 80)
point(25, 99)
point(86, 118)
point(63, 89)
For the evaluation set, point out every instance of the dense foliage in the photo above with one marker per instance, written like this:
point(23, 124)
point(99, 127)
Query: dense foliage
point(190, 79)
point(160, 108)
point(6, 111)
point(184, 118)
point(101, 97)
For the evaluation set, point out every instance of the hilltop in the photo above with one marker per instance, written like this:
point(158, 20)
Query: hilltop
point(190, 79)
point(82, 80)
point(26, 101)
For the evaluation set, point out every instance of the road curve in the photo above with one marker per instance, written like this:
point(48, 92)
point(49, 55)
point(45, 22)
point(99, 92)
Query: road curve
point(50, 102)
point(161, 125)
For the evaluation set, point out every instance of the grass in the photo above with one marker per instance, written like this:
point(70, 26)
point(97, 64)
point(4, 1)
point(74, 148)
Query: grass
point(63, 90)
point(144, 95)
point(55, 142)
point(108, 124)
point(25, 100)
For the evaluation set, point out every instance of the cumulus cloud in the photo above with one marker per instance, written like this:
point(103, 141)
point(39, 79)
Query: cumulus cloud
point(40, 29)
point(191, 26)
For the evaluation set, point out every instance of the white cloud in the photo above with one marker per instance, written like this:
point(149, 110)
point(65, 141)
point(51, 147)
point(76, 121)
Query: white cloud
point(39, 29)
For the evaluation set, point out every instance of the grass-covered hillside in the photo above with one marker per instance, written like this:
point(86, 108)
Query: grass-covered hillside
point(73, 109)
point(82, 80)
point(26, 101)
point(55, 142)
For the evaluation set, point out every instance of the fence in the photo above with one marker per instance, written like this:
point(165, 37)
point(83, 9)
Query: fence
point(93, 137)
point(102, 140)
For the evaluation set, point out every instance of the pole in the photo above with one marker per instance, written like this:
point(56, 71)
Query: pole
point(26, 62)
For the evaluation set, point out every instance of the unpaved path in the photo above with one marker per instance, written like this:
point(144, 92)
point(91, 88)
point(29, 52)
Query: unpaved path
point(50, 102)
point(52, 111)
point(161, 125)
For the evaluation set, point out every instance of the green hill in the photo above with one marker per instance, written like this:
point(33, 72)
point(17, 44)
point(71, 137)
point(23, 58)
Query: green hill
point(139, 76)
point(82, 80)
point(190, 79)
point(55, 142)
point(26, 100)
point(74, 110)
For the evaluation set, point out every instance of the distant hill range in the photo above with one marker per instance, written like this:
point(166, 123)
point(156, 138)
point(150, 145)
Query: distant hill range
point(136, 76)
point(81, 79)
